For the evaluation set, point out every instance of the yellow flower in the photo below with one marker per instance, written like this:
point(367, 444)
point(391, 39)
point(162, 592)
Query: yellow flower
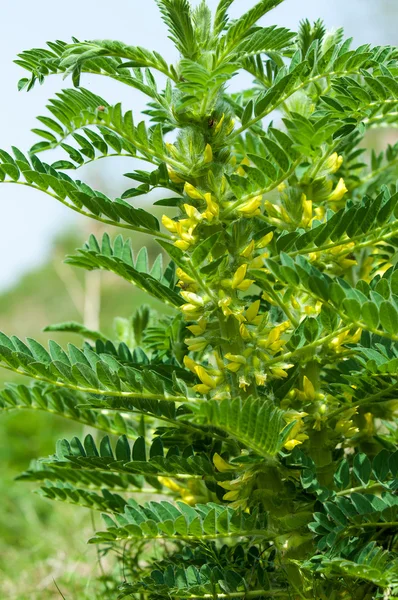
point(307, 211)
point(339, 191)
point(174, 177)
point(239, 276)
point(230, 127)
point(260, 378)
point(342, 249)
point(193, 298)
point(244, 332)
point(224, 303)
point(196, 344)
point(205, 377)
point(267, 239)
point(243, 383)
point(346, 427)
point(248, 250)
point(272, 337)
point(172, 150)
point(252, 312)
point(199, 328)
point(347, 263)
point(213, 209)
point(240, 170)
point(184, 276)
point(251, 207)
point(169, 224)
point(244, 286)
point(278, 372)
point(295, 435)
point(239, 358)
point(333, 163)
point(234, 367)
point(219, 124)
point(192, 212)
point(238, 281)
point(190, 364)
point(258, 262)
point(184, 229)
point(237, 361)
point(208, 154)
point(182, 245)
point(231, 495)
point(191, 311)
point(293, 443)
point(192, 191)
point(171, 484)
point(309, 389)
point(221, 465)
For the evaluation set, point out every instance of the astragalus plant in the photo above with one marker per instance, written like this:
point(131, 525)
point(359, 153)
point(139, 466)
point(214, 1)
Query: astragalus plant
point(257, 411)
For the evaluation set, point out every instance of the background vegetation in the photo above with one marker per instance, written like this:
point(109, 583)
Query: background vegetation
point(35, 533)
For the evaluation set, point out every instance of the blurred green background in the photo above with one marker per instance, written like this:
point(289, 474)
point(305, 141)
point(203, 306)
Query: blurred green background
point(43, 542)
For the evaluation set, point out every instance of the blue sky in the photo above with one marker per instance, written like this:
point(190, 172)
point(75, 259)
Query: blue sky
point(29, 220)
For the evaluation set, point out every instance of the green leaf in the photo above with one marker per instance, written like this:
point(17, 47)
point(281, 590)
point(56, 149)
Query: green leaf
point(362, 468)
point(389, 317)
point(256, 423)
point(155, 520)
point(73, 327)
point(119, 259)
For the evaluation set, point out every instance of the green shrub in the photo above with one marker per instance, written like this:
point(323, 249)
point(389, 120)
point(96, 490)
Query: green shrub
point(258, 409)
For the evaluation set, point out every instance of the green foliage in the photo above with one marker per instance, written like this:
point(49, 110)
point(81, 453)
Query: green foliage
point(63, 403)
point(258, 425)
point(263, 405)
point(86, 462)
point(159, 520)
point(119, 260)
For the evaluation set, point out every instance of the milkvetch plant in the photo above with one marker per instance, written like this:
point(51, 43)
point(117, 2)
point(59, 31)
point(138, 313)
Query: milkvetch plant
point(259, 410)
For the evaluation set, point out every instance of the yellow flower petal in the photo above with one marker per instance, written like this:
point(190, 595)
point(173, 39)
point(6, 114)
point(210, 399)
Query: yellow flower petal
point(339, 191)
point(169, 224)
point(192, 191)
point(221, 464)
point(239, 276)
point(252, 312)
point(208, 155)
point(173, 175)
point(205, 377)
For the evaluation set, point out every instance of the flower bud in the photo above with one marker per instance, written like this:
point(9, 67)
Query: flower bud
point(221, 465)
point(169, 224)
point(193, 298)
point(333, 163)
point(192, 212)
point(208, 154)
point(239, 276)
point(267, 239)
point(339, 191)
point(251, 207)
point(174, 177)
point(252, 312)
point(248, 250)
point(192, 191)
point(205, 377)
